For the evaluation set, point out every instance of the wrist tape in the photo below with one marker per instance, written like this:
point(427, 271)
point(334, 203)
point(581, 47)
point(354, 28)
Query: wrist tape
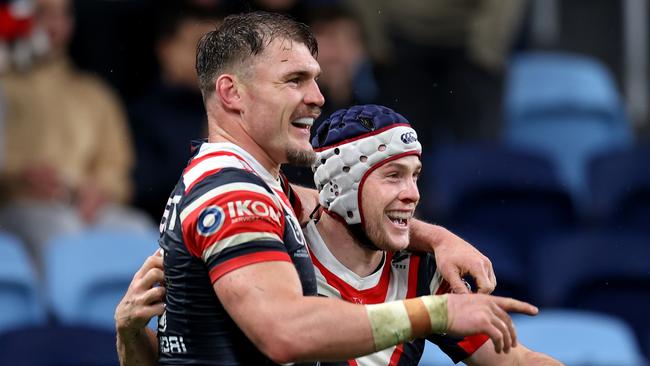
point(396, 322)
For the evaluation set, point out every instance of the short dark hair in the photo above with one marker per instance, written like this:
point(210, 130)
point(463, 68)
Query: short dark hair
point(242, 36)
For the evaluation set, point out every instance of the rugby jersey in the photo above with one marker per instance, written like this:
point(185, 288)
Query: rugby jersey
point(402, 275)
point(226, 212)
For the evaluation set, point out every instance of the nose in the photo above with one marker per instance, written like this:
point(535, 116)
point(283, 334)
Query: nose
point(410, 192)
point(313, 95)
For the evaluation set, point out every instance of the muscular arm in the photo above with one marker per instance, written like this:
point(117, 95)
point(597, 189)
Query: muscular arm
point(454, 256)
point(289, 327)
point(519, 355)
point(285, 325)
point(140, 349)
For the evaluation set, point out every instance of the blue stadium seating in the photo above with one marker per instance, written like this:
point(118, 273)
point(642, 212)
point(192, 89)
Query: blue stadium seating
point(579, 338)
point(88, 273)
point(508, 259)
point(605, 270)
point(620, 187)
point(566, 106)
point(58, 346)
point(20, 300)
point(563, 262)
point(501, 191)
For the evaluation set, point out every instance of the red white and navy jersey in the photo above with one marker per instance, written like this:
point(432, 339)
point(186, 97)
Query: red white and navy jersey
point(226, 212)
point(402, 275)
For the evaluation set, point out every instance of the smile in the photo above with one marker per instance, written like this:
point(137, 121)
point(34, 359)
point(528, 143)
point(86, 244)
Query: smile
point(304, 122)
point(399, 218)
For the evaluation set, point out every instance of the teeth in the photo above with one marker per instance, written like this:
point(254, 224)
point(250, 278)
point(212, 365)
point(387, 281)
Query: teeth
point(401, 222)
point(399, 217)
point(402, 215)
point(306, 121)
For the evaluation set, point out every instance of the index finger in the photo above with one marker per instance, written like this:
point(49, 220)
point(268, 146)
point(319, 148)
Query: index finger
point(512, 305)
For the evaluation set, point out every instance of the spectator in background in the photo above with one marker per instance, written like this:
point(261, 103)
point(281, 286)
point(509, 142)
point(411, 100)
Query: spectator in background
point(68, 151)
point(20, 43)
point(347, 76)
point(171, 114)
point(347, 72)
point(443, 61)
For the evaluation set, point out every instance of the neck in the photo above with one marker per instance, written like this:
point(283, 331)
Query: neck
point(354, 256)
point(227, 131)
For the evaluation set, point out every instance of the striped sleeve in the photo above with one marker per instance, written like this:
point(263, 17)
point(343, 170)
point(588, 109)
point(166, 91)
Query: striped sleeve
point(231, 219)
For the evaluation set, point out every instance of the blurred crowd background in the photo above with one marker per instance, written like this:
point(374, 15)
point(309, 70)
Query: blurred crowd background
point(533, 115)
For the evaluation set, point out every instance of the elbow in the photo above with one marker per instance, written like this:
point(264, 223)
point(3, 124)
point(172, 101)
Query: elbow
point(280, 346)
point(280, 355)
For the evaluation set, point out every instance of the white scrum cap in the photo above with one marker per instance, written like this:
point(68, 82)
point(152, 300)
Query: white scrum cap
point(349, 145)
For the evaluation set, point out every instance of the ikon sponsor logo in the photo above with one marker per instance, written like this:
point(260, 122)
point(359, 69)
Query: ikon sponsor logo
point(250, 208)
point(211, 219)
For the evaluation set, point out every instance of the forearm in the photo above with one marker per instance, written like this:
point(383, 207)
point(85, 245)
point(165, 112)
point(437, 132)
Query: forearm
point(335, 330)
point(323, 334)
point(538, 359)
point(308, 199)
point(140, 349)
point(274, 314)
point(518, 356)
point(426, 237)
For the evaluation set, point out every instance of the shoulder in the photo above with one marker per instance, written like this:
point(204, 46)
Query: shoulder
point(220, 167)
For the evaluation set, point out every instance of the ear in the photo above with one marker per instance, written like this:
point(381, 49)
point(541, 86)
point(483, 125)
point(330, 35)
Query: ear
point(228, 90)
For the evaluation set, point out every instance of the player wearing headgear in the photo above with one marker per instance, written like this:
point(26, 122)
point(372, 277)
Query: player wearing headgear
point(368, 161)
point(238, 275)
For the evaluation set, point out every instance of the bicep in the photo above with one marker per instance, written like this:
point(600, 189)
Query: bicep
point(258, 296)
point(266, 302)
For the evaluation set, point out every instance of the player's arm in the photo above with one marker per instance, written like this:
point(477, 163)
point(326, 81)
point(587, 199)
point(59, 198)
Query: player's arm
point(137, 344)
point(265, 300)
point(308, 198)
point(454, 256)
point(519, 355)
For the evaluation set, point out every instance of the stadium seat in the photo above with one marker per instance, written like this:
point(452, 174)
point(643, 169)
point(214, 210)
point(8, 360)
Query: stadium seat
point(20, 300)
point(501, 191)
point(567, 107)
point(58, 346)
point(579, 338)
point(508, 260)
point(564, 261)
point(88, 273)
point(605, 270)
point(620, 187)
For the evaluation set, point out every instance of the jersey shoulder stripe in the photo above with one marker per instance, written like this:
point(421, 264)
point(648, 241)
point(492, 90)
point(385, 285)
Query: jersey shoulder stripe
point(226, 266)
point(204, 165)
